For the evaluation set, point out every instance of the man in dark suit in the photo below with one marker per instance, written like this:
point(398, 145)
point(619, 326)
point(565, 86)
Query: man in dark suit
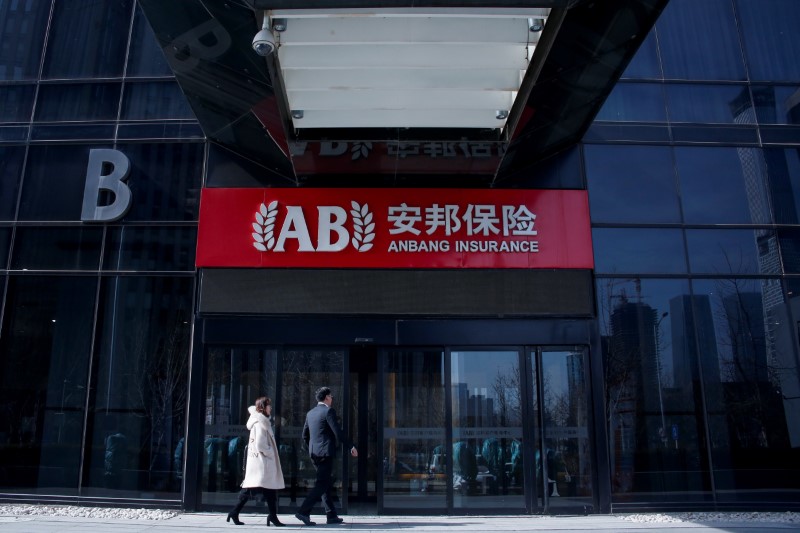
point(322, 435)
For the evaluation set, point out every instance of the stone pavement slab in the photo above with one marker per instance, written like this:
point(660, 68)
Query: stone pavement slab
point(215, 523)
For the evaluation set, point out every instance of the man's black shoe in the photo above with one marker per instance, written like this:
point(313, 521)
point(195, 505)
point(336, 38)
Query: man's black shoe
point(334, 520)
point(304, 518)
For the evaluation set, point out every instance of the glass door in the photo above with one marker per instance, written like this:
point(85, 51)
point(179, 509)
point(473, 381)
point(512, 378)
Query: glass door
point(414, 444)
point(235, 377)
point(303, 371)
point(362, 424)
point(487, 445)
point(563, 453)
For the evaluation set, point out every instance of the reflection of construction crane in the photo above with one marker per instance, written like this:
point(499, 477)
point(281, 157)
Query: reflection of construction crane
point(623, 295)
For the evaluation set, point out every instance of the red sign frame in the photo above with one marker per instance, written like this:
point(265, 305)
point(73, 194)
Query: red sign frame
point(394, 228)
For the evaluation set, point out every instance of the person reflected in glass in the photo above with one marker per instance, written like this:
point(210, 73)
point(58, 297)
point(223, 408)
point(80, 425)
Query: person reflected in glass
point(263, 474)
point(322, 434)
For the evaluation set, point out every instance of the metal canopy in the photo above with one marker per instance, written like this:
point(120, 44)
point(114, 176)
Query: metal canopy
point(421, 112)
point(404, 67)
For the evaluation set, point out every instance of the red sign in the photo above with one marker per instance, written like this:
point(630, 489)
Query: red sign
point(394, 228)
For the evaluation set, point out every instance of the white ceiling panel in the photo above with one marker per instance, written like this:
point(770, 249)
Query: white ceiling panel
point(409, 68)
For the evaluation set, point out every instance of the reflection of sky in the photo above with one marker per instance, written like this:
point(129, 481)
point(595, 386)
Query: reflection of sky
point(554, 368)
point(480, 369)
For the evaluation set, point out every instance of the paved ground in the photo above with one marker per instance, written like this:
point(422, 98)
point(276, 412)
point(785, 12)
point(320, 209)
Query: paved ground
point(214, 522)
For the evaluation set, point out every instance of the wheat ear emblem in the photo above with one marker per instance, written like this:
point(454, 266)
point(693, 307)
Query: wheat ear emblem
point(264, 226)
point(364, 227)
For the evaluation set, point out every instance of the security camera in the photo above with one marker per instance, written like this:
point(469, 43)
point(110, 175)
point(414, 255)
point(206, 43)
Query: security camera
point(264, 42)
point(535, 24)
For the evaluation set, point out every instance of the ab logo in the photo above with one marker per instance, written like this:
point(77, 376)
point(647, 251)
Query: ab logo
point(332, 233)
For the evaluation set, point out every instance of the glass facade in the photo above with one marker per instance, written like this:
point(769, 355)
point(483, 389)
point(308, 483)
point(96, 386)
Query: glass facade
point(97, 318)
point(694, 280)
point(688, 396)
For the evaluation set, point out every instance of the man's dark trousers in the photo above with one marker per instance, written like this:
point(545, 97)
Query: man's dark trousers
point(322, 487)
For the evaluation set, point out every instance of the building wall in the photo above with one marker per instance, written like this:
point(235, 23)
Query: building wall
point(96, 318)
point(692, 172)
point(693, 176)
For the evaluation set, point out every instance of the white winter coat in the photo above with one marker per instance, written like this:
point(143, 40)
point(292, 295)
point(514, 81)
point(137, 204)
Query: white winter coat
point(263, 467)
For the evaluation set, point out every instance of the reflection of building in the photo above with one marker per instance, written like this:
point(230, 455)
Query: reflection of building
point(746, 338)
point(787, 367)
point(576, 379)
point(634, 375)
point(692, 321)
point(474, 407)
point(634, 342)
point(754, 171)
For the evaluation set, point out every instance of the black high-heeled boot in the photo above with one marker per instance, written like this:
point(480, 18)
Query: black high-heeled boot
point(234, 514)
point(272, 505)
point(272, 519)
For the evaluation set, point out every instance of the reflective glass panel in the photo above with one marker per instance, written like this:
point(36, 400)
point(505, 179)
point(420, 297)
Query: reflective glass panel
point(54, 180)
point(699, 41)
point(771, 44)
point(631, 184)
point(749, 365)
point(85, 101)
point(722, 185)
point(790, 250)
point(46, 343)
point(414, 473)
point(236, 377)
point(362, 414)
point(22, 33)
point(165, 180)
point(730, 252)
point(137, 414)
point(645, 64)
point(11, 158)
point(154, 100)
point(16, 102)
point(88, 39)
point(783, 167)
point(150, 248)
point(487, 430)
point(145, 57)
point(710, 104)
point(777, 104)
point(638, 250)
point(303, 372)
point(655, 421)
point(48, 248)
point(561, 171)
point(567, 445)
point(5, 242)
point(638, 102)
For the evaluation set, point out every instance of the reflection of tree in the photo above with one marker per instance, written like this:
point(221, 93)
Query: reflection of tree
point(749, 374)
point(621, 358)
point(508, 396)
point(632, 379)
point(304, 371)
point(160, 385)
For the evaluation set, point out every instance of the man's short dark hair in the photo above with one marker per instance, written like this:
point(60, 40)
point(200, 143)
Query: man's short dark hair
point(322, 393)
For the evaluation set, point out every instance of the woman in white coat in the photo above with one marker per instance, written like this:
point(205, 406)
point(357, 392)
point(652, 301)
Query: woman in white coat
point(263, 474)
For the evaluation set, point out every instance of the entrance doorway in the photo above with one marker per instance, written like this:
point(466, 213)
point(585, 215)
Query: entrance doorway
point(363, 402)
point(441, 430)
point(485, 430)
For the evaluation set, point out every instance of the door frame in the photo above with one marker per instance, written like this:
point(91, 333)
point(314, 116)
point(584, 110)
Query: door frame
point(388, 333)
